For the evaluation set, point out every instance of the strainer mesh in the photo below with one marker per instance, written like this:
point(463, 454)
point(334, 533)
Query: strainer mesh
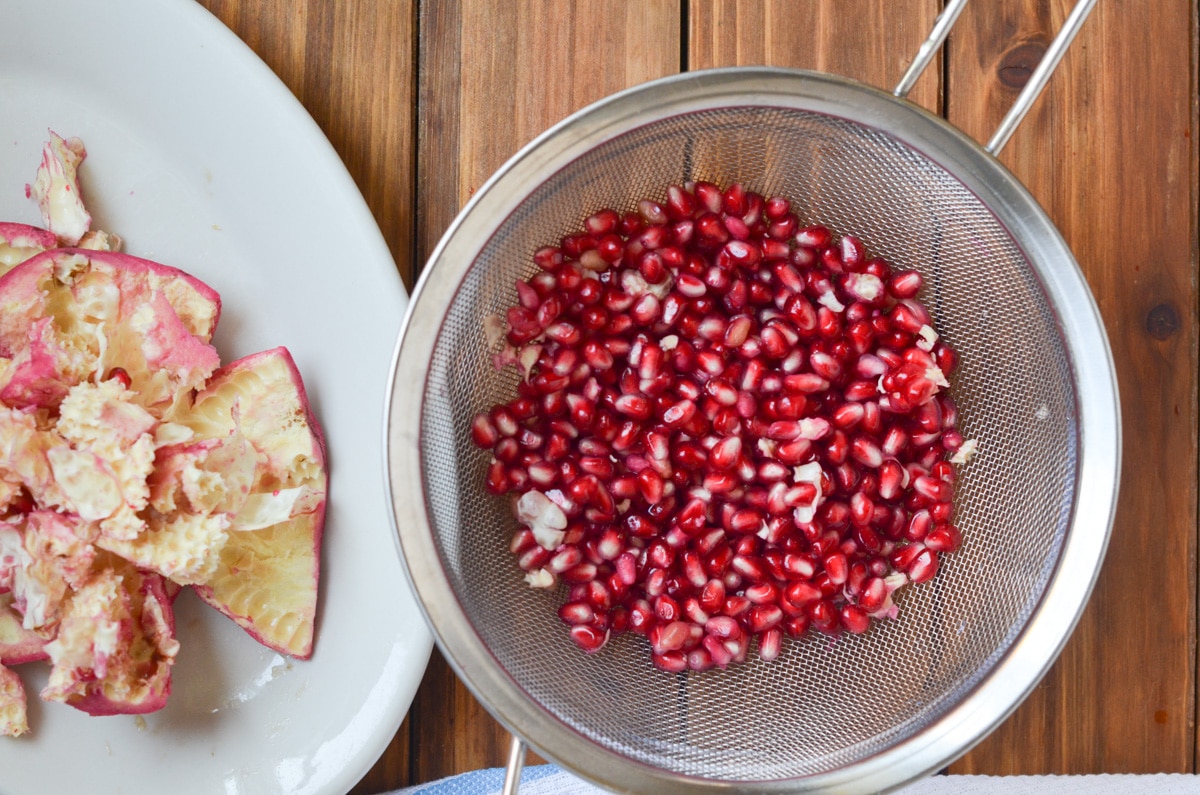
point(824, 703)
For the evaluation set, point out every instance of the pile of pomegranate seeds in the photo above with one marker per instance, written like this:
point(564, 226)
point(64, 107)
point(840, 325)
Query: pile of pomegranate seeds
point(729, 428)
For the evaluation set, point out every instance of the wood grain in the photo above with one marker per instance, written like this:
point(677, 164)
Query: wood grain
point(1106, 151)
point(352, 66)
point(869, 40)
point(424, 100)
point(492, 77)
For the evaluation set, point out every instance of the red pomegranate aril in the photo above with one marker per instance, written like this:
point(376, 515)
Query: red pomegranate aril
point(763, 617)
point(796, 626)
point(735, 605)
point(589, 638)
point(576, 613)
point(932, 489)
point(712, 595)
point(740, 233)
point(905, 284)
point(814, 237)
point(533, 558)
point(746, 521)
point(715, 436)
point(548, 258)
point(854, 619)
point(824, 616)
point(723, 627)
point(903, 557)
point(733, 200)
point(710, 231)
point(762, 593)
point(906, 317)
point(680, 203)
point(566, 557)
point(708, 196)
point(837, 568)
point(666, 608)
point(923, 566)
point(941, 512)
point(603, 222)
point(724, 454)
point(852, 252)
point(943, 538)
point(918, 526)
point(776, 207)
point(483, 431)
point(866, 452)
point(720, 655)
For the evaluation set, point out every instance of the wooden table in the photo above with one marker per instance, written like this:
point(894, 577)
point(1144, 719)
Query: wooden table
point(424, 100)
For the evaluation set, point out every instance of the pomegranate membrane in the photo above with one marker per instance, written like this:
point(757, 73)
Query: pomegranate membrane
point(728, 428)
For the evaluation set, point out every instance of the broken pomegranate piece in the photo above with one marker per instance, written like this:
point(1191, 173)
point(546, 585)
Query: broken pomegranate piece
point(13, 720)
point(115, 644)
point(56, 189)
point(728, 428)
point(68, 313)
point(266, 577)
point(131, 466)
point(17, 644)
point(19, 242)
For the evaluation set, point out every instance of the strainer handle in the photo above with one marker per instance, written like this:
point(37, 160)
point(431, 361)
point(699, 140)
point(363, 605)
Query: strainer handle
point(925, 55)
point(1037, 81)
point(516, 764)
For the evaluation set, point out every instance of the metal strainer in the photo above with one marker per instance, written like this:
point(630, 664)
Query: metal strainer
point(1035, 386)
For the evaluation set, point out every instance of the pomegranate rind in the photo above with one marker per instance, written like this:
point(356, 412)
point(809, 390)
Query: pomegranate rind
point(108, 310)
point(13, 718)
point(19, 242)
point(195, 490)
point(266, 582)
point(107, 456)
point(115, 645)
point(44, 555)
point(17, 644)
point(266, 579)
point(56, 189)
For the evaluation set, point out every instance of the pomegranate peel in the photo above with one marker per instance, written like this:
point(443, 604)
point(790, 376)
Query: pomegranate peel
point(17, 644)
point(115, 645)
point(266, 574)
point(13, 722)
point(56, 189)
point(19, 242)
point(132, 465)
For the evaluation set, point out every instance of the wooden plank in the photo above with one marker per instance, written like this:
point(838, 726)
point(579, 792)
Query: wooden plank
point(351, 65)
point(492, 76)
point(1107, 152)
point(869, 40)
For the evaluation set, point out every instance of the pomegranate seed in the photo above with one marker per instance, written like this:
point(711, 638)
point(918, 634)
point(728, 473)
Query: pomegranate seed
point(483, 431)
point(740, 418)
point(943, 538)
point(589, 638)
point(854, 619)
point(923, 566)
point(576, 613)
point(932, 489)
point(905, 284)
point(761, 618)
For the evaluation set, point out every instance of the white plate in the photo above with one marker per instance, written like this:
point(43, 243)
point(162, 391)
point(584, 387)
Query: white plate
point(200, 158)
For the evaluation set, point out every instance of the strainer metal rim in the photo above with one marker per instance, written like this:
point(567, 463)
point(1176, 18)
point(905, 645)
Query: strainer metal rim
point(1042, 638)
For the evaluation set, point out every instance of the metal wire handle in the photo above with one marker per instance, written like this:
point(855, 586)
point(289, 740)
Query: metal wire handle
point(925, 55)
point(1033, 88)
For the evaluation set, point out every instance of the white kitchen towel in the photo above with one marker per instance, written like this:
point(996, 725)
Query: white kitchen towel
point(550, 780)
